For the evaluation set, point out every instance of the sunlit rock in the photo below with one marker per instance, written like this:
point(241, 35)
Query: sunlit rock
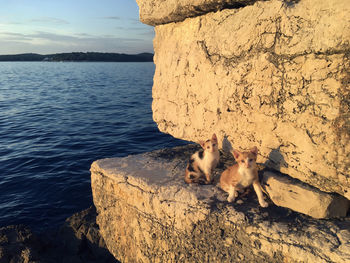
point(147, 213)
point(274, 74)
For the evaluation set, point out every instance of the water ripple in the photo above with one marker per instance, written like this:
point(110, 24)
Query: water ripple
point(55, 120)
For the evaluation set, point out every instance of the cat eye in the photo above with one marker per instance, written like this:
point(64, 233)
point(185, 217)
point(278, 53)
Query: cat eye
point(250, 160)
point(208, 147)
point(242, 161)
point(214, 144)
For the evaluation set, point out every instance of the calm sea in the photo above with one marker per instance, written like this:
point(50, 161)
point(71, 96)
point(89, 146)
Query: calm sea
point(55, 120)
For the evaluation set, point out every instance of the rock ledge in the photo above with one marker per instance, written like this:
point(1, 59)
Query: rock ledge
point(146, 213)
point(155, 12)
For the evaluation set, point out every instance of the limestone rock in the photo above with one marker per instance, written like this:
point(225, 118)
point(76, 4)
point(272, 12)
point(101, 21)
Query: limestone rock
point(146, 213)
point(274, 74)
point(300, 197)
point(156, 12)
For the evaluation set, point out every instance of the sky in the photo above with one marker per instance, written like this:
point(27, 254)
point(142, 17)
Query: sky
point(58, 26)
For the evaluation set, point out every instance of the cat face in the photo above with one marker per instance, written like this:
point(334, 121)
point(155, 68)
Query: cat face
point(210, 145)
point(246, 159)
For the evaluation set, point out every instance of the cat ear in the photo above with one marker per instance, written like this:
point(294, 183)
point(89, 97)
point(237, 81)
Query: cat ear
point(202, 143)
point(254, 150)
point(236, 154)
point(214, 138)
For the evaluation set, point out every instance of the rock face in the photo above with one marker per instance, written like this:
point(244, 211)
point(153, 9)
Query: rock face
point(300, 197)
point(274, 74)
point(146, 213)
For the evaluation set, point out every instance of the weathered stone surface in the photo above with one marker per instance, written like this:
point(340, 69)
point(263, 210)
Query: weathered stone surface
point(147, 213)
point(156, 12)
point(300, 197)
point(272, 74)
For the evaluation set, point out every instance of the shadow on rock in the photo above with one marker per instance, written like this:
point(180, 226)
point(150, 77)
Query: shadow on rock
point(78, 241)
point(276, 160)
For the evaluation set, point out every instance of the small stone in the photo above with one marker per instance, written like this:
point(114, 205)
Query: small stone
point(239, 202)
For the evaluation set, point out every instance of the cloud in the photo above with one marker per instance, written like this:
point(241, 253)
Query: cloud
point(132, 20)
point(14, 36)
point(112, 17)
point(132, 28)
point(62, 37)
point(83, 35)
point(148, 33)
point(41, 41)
point(52, 36)
point(51, 20)
point(10, 23)
point(143, 32)
point(140, 30)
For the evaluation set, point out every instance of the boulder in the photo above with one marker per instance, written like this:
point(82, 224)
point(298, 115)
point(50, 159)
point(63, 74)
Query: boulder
point(147, 213)
point(274, 74)
point(78, 241)
point(300, 197)
point(19, 244)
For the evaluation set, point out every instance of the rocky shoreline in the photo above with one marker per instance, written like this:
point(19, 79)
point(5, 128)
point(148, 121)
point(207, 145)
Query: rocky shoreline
point(77, 240)
point(145, 212)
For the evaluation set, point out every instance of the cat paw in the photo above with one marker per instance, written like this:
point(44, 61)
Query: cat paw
point(264, 204)
point(230, 199)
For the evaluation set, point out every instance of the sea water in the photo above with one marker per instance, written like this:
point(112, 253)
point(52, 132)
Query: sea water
point(55, 120)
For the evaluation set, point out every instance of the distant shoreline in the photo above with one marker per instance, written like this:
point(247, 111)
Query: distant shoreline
point(78, 57)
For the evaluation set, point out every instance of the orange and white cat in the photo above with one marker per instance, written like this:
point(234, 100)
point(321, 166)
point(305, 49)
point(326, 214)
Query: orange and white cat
point(241, 175)
point(201, 164)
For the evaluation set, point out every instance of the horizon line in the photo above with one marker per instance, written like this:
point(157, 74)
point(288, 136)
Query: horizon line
point(101, 52)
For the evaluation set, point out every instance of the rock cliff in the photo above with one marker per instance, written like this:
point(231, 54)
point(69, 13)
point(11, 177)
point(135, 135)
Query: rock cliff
point(274, 74)
point(146, 213)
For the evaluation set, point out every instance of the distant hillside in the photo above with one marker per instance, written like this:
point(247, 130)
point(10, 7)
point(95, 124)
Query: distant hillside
point(80, 56)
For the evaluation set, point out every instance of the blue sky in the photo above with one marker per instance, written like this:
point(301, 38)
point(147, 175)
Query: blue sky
point(55, 26)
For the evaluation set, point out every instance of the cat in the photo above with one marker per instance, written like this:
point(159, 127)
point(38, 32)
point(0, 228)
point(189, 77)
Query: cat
point(202, 162)
point(241, 175)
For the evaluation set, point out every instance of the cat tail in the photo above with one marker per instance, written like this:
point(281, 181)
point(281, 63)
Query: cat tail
point(191, 177)
point(263, 188)
point(194, 177)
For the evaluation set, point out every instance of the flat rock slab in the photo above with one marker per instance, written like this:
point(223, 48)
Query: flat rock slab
point(146, 213)
point(298, 196)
